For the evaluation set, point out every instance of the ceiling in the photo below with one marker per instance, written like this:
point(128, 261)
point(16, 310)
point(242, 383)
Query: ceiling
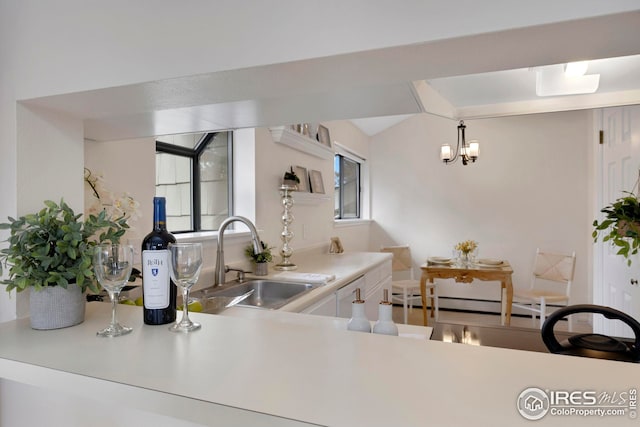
point(470, 76)
point(510, 92)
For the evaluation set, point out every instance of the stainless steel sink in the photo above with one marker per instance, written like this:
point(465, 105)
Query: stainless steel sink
point(267, 294)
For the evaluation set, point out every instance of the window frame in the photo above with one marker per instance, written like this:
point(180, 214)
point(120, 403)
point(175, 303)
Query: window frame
point(194, 155)
point(341, 156)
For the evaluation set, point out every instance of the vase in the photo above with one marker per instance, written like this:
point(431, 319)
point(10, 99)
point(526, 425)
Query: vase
point(262, 269)
point(55, 307)
point(465, 259)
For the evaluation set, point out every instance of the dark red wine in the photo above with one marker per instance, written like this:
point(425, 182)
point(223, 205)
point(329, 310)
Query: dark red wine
point(159, 292)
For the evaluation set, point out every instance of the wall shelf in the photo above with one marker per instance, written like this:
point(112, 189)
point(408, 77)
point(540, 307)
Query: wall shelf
point(289, 137)
point(305, 198)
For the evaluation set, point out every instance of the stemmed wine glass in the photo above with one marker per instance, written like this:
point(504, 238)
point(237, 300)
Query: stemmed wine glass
point(112, 264)
point(185, 262)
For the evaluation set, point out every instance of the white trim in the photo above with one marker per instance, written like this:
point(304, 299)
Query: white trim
point(297, 141)
point(338, 223)
point(348, 152)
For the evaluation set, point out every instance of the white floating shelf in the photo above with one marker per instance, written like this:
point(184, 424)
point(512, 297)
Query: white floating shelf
point(297, 141)
point(304, 198)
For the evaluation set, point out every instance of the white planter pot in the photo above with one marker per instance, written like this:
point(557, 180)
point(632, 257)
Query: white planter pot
point(55, 307)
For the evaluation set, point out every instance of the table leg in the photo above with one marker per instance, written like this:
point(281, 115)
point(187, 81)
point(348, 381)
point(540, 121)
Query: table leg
point(503, 307)
point(506, 300)
point(432, 298)
point(423, 297)
point(509, 302)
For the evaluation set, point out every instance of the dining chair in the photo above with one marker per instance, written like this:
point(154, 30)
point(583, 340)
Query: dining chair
point(550, 284)
point(405, 288)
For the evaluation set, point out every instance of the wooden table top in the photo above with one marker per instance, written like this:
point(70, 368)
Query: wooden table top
point(505, 267)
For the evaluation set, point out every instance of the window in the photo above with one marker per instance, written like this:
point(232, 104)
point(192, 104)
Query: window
point(347, 188)
point(194, 173)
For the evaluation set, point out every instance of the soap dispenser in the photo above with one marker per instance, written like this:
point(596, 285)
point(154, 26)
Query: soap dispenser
point(385, 324)
point(358, 321)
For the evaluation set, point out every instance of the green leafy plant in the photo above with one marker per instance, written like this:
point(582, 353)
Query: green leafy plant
point(265, 256)
point(621, 226)
point(290, 175)
point(53, 247)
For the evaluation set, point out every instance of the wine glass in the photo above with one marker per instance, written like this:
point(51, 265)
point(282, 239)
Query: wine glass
point(112, 264)
point(185, 262)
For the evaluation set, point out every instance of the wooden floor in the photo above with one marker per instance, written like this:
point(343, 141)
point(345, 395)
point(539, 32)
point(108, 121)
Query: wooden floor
point(415, 318)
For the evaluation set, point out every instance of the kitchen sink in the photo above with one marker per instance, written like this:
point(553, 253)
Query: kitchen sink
point(267, 294)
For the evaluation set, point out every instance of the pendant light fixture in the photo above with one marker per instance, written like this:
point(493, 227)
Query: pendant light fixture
point(466, 152)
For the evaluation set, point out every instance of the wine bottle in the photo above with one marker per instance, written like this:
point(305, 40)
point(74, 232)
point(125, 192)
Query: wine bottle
point(158, 290)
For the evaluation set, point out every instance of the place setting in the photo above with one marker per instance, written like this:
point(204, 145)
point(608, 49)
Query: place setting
point(488, 262)
point(436, 260)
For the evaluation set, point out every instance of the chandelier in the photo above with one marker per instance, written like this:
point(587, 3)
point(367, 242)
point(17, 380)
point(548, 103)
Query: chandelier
point(466, 152)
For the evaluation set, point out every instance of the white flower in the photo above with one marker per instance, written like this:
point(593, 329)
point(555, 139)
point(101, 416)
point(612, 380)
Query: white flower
point(122, 206)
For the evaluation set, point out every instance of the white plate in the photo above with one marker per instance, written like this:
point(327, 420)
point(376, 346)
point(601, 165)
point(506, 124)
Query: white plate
point(438, 260)
point(488, 262)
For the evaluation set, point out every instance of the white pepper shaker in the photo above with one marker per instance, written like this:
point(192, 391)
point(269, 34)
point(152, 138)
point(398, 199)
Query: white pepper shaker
point(358, 321)
point(385, 324)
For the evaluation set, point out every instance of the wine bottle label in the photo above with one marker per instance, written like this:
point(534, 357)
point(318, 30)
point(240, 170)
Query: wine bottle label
point(155, 279)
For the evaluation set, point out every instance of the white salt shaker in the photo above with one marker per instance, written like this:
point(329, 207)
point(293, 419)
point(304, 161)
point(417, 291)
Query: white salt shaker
point(385, 324)
point(358, 321)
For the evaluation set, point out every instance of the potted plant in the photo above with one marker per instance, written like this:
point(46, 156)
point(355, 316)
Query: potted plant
point(260, 259)
point(621, 226)
point(50, 253)
point(290, 178)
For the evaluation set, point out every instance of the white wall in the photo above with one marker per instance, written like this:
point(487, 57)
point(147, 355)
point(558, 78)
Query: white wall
point(528, 189)
point(127, 166)
point(49, 163)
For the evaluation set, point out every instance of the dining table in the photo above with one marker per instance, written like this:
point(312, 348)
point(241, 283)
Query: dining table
point(491, 270)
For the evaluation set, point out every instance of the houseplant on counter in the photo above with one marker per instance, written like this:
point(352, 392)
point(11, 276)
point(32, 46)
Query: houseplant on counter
point(621, 225)
point(260, 259)
point(50, 253)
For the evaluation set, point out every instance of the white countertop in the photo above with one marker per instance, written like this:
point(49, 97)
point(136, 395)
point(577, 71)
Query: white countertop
point(256, 367)
point(243, 368)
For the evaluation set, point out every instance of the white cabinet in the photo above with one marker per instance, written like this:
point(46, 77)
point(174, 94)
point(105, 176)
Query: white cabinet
point(374, 296)
point(372, 285)
point(347, 294)
point(376, 281)
point(324, 307)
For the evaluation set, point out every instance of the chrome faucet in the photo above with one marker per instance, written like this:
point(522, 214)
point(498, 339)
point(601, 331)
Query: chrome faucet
point(220, 270)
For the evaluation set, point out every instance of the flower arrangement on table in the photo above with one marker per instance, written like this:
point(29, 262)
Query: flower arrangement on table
point(467, 246)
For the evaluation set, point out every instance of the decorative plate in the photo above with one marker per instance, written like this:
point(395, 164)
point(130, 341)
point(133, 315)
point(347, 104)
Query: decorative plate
point(438, 260)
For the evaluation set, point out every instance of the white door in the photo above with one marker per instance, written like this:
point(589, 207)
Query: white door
point(614, 281)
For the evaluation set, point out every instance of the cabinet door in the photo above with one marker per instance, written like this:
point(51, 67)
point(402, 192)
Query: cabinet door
point(324, 307)
point(347, 294)
point(374, 296)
